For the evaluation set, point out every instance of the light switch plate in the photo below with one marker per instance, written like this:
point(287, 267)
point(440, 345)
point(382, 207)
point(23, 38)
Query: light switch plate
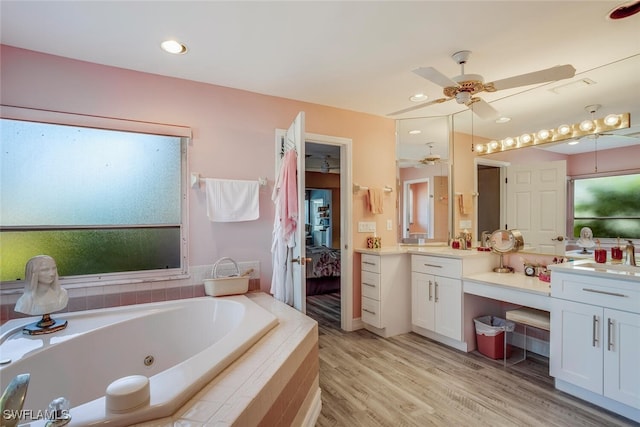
point(366, 227)
point(389, 224)
point(466, 223)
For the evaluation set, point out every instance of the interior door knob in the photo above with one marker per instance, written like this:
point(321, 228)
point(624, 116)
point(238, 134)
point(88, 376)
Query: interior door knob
point(559, 238)
point(302, 260)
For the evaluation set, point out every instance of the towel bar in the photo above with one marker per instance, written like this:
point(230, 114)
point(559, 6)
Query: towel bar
point(357, 187)
point(196, 178)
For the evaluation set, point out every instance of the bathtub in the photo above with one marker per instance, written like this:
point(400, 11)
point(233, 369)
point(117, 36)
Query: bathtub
point(188, 342)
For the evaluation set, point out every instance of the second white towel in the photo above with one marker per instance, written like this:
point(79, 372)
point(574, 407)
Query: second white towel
point(232, 200)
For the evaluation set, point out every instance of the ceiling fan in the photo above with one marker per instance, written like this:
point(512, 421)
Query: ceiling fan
point(429, 159)
point(325, 164)
point(464, 87)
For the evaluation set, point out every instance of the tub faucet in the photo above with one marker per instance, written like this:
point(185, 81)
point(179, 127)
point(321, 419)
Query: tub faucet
point(630, 254)
point(12, 400)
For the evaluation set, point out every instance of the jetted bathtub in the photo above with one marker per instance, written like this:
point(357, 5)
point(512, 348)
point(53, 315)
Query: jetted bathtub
point(179, 345)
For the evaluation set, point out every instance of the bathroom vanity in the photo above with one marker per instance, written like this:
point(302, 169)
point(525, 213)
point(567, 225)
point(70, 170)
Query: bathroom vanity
point(595, 334)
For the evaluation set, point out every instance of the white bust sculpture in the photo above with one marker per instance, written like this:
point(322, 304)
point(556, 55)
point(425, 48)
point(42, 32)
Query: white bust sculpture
point(42, 291)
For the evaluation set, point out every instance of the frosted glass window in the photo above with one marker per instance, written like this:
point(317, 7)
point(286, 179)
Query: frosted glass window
point(98, 201)
point(610, 206)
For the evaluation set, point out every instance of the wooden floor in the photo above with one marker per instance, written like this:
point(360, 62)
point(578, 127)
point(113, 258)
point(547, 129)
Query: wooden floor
point(409, 380)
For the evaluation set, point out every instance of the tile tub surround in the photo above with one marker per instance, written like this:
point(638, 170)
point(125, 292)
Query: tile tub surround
point(115, 295)
point(276, 382)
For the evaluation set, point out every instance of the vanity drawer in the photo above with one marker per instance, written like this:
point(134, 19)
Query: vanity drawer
point(370, 263)
point(439, 266)
point(371, 312)
point(614, 294)
point(370, 285)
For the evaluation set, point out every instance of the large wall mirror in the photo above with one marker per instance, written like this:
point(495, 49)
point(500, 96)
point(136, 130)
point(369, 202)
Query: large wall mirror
point(423, 158)
point(612, 88)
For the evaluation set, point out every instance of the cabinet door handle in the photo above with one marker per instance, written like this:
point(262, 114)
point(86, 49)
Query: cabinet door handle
point(613, 294)
point(432, 265)
point(368, 263)
point(430, 296)
point(609, 334)
point(368, 284)
point(595, 331)
point(436, 290)
point(369, 311)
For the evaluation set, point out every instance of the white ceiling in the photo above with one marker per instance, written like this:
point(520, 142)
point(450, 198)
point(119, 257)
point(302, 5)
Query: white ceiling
point(355, 55)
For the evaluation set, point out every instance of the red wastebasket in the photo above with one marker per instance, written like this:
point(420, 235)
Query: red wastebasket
point(490, 337)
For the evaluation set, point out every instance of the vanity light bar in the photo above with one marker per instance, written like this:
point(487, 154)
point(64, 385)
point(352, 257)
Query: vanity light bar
point(561, 133)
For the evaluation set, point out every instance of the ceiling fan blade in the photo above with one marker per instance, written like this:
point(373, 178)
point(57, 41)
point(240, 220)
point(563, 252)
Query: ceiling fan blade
point(435, 76)
point(542, 76)
point(417, 107)
point(483, 109)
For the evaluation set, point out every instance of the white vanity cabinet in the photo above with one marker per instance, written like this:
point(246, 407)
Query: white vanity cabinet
point(595, 340)
point(386, 296)
point(436, 295)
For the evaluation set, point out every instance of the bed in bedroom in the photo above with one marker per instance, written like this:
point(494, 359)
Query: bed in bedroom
point(323, 272)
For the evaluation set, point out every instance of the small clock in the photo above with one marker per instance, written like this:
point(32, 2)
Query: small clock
point(529, 270)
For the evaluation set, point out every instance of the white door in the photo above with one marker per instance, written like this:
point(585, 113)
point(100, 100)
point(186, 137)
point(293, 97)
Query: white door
point(295, 138)
point(576, 344)
point(621, 356)
point(536, 204)
point(448, 305)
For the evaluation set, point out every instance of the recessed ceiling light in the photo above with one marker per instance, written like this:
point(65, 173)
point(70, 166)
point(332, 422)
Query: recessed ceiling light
point(415, 132)
point(418, 97)
point(503, 119)
point(173, 46)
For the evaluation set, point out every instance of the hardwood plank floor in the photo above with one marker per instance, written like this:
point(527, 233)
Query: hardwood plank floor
point(410, 380)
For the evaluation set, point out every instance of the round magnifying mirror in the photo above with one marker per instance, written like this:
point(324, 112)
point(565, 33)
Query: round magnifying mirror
point(503, 242)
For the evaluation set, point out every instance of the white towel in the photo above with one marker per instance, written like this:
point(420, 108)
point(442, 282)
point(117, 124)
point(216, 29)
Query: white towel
point(232, 200)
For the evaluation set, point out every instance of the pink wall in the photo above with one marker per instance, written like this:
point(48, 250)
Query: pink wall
point(233, 137)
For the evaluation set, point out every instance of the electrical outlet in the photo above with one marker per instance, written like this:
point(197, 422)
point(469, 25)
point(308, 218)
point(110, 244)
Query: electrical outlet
point(389, 224)
point(366, 227)
point(466, 223)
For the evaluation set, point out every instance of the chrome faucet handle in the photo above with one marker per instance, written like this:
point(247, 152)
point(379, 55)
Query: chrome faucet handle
point(59, 411)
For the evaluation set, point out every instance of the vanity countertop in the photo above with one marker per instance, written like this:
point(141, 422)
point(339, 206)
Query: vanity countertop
point(443, 251)
point(515, 281)
point(589, 267)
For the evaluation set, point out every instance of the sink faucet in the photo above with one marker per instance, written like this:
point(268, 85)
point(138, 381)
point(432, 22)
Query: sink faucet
point(630, 254)
point(12, 400)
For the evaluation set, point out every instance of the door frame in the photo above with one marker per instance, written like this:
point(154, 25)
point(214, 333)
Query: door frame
point(405, 205)
point(503, 190)
point(346, 213)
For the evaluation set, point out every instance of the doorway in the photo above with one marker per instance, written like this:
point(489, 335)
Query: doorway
point(490, 208)
point(327, 228)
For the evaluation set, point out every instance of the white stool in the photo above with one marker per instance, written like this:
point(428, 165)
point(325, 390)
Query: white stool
point(528, 318)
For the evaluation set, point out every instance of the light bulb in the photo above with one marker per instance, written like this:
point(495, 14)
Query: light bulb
point(612, 120)
point(480, 148)
point(564, 129)
point(493, 145)
point(508, 142)
point(587, 125)
point(526, 138)
point(543, 134)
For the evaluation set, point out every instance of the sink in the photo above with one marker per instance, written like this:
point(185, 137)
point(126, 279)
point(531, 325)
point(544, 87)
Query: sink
point(612, 268)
